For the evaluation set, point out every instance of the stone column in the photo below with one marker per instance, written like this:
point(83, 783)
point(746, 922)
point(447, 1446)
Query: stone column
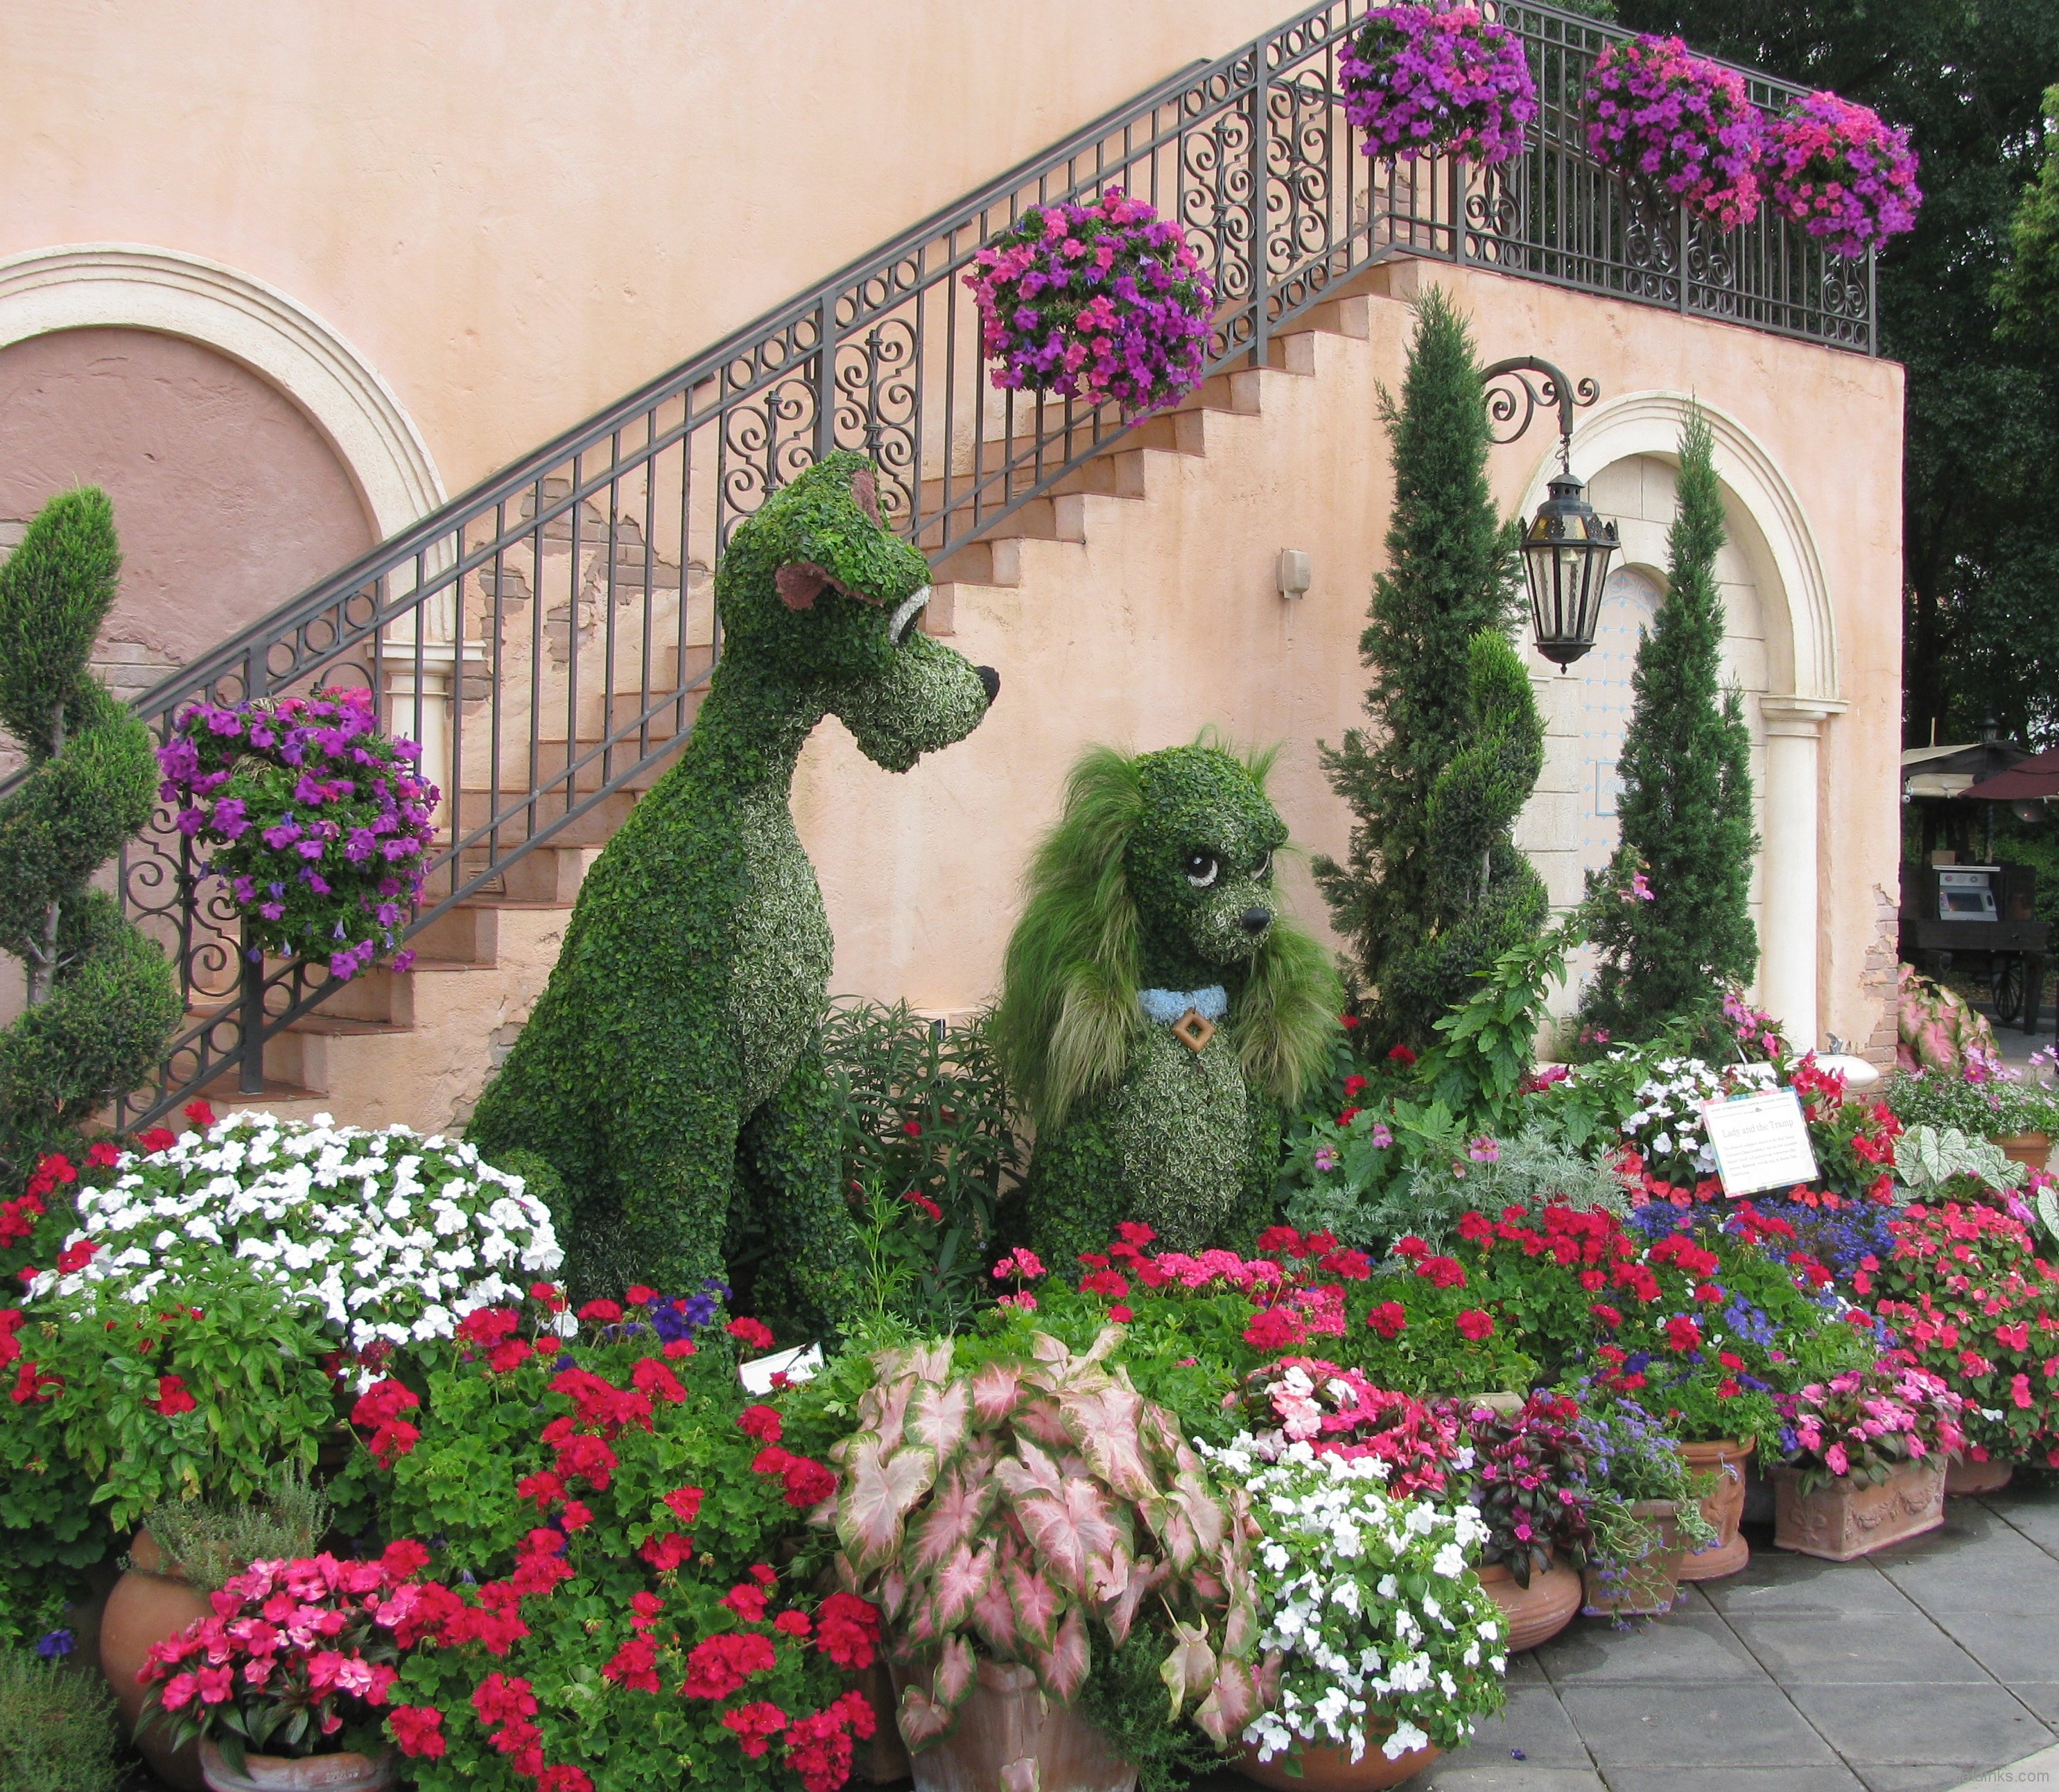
point(1789, 950)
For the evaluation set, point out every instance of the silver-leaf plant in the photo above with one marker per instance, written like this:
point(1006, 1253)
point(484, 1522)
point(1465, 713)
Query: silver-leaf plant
point(1925, 1158)
point(1007, 1511)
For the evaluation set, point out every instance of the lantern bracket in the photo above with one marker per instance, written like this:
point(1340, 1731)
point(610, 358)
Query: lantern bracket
point(1513, 400)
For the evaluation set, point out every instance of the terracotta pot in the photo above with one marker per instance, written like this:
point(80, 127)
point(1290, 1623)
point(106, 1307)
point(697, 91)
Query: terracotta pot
point(1723, 1509)
point(312, 1772)
point(884, 1760)
point(1647, 1588)
point(1538, 1612)
point(150, 1602)
point(2032, 1150)
point(1843, 1520)
point(1009, 1737)
point(1332, 1770)
point(1967, 1476)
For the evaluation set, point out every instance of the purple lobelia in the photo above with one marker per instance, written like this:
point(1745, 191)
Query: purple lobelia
point(1678, 123)
point(1420, 81)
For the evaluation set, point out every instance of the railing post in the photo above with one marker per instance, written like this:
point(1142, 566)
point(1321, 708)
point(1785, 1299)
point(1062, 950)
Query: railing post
point(1680, 230)
point(250, 1045)
point(1261, 122)
point(825, 378)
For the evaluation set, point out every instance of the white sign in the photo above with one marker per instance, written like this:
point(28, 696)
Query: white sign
point(1762, 1141)
point(795, 1365)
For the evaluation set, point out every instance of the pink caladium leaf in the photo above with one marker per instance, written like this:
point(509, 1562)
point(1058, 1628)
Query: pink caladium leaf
point(1231, 1701)
point(922, 1720)
point(1104, 1424)
point(1036, 1604)
point(1190, 1669)
point(959, 1583)
point(1161, 1432)
point(1029, 1471)
point(1042, 1420)
point(882, 1408)
point(958, 1506)
point(996, 1389)
point(1062, 1668)
point(1191, 1493)
point(956, 1672)
point(880, 1486)
point(1119, 1612)
point(1048, 1349)
point(993, 1614)
point(1174, 1530)
point(932, 1361)
point(1020, 1775)
point(893, 1590)
point(938, 1416)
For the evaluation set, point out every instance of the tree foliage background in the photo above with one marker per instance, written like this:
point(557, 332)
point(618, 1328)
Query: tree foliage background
point(1980, 484)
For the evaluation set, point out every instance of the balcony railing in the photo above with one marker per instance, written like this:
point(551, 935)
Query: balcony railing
point(548, 635)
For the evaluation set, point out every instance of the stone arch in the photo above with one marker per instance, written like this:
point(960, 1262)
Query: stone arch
point(85, 284)
point(1799, 692)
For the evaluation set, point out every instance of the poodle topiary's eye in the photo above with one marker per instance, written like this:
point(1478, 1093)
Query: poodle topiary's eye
point(1263, 869)
point(1202, 868)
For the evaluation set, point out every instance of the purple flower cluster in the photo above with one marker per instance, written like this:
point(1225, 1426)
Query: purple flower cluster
point(1102, 301)
point(318, 824)
point(1657, 111)
point(1841, 172)
point(1418, 81)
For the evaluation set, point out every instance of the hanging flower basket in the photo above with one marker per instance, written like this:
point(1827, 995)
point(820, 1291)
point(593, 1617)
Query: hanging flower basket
point(1678, 124)
point(1103, 302)
point(1841, 172)
point(317, 822)
point(1418, 81)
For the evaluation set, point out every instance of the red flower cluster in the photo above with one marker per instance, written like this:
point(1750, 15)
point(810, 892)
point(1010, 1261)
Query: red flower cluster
point(380, 1406)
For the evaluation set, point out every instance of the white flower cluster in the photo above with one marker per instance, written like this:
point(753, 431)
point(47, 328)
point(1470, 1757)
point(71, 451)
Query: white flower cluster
point(392, 1237)
point(1384, 1632)
point(1666, 1121)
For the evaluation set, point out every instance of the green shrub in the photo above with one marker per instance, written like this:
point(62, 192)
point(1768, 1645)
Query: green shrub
point(213, 1541)
point(56, 1727)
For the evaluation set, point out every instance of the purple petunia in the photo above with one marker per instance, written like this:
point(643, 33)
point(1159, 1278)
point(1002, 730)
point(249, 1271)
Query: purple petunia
point(1418, 81)
point(1685, 126)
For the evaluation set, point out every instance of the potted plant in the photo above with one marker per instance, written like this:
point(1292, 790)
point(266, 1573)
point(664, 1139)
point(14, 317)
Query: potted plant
point(1003, 1509)
point(1678, 123)
point(1985, 1099)
point(1382, 1649)
point(1644, 1507)
point(1869, 1464)
point(1842, 173)
point(1103, 302)
point(1528, 1481)
point(1422, 80)
point(318, 824)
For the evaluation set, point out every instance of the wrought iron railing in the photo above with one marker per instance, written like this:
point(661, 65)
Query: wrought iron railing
point(547, 636)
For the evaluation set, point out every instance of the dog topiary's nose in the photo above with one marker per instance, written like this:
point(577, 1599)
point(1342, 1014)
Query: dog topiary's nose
point(1255, 921)
point(992, 680)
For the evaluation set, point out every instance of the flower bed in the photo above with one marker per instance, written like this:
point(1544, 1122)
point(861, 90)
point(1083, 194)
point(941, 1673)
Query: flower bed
point(1106, 302)
point(1420, 81)
point(1679, 122)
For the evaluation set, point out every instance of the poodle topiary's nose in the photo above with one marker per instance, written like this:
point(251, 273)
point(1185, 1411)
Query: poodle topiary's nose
point(1255, 921)
point(992, 680)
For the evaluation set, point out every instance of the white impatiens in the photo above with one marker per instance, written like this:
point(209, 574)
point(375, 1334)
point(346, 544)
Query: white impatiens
point(1666, 1121)
point(1385, 1634)
point(392, 1238)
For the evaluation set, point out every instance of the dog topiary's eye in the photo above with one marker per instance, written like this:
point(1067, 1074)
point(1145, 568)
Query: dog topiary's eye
point(1263, 869)
point(1202, 868)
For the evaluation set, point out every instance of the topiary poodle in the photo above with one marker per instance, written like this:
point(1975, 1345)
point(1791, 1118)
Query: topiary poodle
point(670, 1077)
point(1157, 1010)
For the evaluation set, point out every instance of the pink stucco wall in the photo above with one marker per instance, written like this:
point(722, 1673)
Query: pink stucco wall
point(227, 499)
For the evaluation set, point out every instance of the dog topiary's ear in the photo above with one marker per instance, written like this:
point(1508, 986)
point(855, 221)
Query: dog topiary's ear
point(1286, 1016)
point(1067, 1008)
point(826, 533)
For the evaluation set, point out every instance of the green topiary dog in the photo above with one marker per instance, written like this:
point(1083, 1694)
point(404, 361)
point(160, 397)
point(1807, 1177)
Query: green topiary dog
point(672, 1075)
point(1157, 1010)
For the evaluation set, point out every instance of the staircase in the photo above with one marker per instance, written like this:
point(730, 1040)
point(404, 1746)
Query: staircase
point(547, 635)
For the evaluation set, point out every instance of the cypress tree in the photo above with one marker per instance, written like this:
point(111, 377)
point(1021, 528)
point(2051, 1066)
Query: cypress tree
point(102, 998)
point(1451, 573)
point(1685, 801)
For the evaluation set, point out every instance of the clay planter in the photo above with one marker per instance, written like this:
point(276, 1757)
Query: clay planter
point(1009, 1734)
point(1843, 1520)
point(1965, 1476)
point(1723, 1508)
point(1647, 1588)
point(884, 1760)
point(2031, 1149)
point(150, 1602)
point(1538, 1612)
point(1327, 1769)
point(314, 1773)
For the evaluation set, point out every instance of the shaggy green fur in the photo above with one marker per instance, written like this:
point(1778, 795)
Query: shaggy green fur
point(1131, 1125)
point(1453, 569)
point(1685, 804)
point(672, 1075)
point(1481, 894)
point(102, 999)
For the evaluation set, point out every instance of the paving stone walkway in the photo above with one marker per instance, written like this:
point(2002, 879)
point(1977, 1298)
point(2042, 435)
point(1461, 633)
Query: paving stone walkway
point(1921, 1668)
